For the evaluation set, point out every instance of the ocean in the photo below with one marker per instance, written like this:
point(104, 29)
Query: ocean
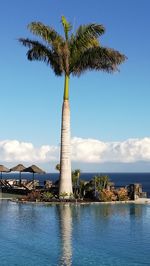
point(120, 179)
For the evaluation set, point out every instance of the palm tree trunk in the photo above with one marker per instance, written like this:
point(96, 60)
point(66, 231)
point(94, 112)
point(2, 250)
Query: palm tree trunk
point(65, 218)
point(65, 185)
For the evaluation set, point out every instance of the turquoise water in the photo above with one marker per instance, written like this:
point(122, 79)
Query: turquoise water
point(32, 234)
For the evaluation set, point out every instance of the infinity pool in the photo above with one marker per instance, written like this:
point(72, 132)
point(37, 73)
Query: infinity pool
point(97, 234)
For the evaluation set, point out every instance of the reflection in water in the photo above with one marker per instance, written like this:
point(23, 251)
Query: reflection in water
point(99, 215)
point(66, 234)
point(120, 210)
point(136, 210)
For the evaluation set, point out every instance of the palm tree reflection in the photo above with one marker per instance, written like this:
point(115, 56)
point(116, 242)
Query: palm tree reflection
point(66, 234)
point(101, 216)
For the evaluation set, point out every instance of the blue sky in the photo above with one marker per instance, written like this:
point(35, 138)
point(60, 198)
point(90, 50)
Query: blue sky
point(108, 108)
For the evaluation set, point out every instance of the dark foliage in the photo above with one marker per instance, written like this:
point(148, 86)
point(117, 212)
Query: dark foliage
point(74, 53)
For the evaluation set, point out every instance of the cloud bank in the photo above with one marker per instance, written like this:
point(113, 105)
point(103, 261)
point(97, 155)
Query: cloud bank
point(83, 150)
point(14, 151)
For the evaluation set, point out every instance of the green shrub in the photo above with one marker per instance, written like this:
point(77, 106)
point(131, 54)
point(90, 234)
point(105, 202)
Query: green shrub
point(46, 196)
point(63, 195)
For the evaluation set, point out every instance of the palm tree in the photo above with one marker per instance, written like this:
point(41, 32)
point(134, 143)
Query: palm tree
point(75, 180)
point(100, 182)
point(57, 167)
point(71, 54)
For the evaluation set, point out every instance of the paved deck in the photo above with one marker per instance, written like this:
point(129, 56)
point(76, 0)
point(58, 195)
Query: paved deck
point(143, 200)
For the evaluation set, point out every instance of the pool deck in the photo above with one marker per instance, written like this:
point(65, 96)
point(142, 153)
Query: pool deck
point(142, 200)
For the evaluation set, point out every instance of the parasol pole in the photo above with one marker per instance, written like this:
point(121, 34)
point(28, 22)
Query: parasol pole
point(20, 178)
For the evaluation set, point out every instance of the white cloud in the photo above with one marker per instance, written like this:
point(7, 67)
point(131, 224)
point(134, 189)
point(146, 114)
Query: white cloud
point(88, 150)
point(83, 150)
point(13, 150)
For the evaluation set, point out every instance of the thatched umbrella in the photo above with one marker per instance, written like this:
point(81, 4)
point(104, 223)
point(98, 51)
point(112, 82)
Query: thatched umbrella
point(18, 168)
point(34, 170)
point(3, 169)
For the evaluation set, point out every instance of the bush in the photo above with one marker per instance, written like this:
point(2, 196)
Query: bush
point(63, 195)
point(107, 195)
point(122, 194)
point(47, 196)
point(33, 196)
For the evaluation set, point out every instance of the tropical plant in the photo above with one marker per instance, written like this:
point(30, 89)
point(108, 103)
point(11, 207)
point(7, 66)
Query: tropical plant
point(82, 188)
point(100, 182)
point(75, 176)
point(107, 195)
point(71, 54)
point(46, 196)
point(97, 184)
point(57, 167)
point(75, 181)
point(64, 195)
point(77, 173)
point(122, 194)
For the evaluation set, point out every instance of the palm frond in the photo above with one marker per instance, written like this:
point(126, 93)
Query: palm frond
point(98, 58)
point(39, 52)
point(66, 25)
point(46, 33)
point(75, 54)
point(85, 35)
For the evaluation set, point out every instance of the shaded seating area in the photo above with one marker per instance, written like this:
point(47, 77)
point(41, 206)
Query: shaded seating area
point(19, 186)
point(18, 168)
point(5, 183)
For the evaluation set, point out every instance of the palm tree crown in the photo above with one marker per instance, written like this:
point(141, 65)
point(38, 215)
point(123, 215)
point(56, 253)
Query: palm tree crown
point(74, 53)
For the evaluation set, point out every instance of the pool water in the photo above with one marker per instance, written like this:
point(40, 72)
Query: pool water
point(96, 234)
